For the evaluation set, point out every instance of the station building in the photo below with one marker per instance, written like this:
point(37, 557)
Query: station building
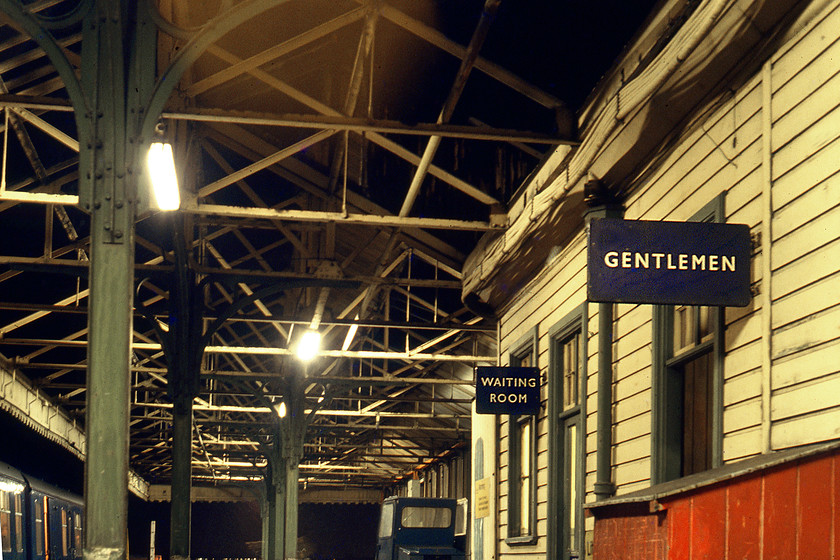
point(666, 430)
point(677, 431)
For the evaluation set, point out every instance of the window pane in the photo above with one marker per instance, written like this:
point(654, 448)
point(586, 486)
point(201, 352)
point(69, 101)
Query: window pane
point(571, 371)
point(63, 532)
point(697, 415)
point(386, 521)
point(525, 478)
point(426, 517)
point(19, 523)
point(5, 521)
point(683, 328)
point(571, 463)
point(77, 533)
point(704, 327)
point(40, 526)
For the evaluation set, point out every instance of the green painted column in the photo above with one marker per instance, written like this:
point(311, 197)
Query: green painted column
point(110, 323)
point(181, 506)
point(277, 509)
point(117, 75)
point(292, 433)
point(266, 504)
point(292, 469)
point(109, 187)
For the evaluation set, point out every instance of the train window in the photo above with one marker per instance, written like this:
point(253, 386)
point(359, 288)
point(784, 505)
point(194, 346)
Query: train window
point(19, 523)
point(5, 521)
point(40, 527)
point(64, 531)
point(77, 533)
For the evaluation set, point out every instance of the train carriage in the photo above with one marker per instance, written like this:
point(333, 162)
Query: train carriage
point(38, 521)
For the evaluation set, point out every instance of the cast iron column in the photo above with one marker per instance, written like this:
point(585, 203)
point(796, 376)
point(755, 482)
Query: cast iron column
point(109, 170)
point(275, 524)
point(179, 534)
point(184, 350)
point(292, 467)
point(292, 432)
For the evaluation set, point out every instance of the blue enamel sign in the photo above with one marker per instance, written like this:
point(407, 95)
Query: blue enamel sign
point(689, 263)
point(507, 390)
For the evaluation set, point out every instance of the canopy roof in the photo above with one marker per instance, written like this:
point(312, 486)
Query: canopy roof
point(338, 161)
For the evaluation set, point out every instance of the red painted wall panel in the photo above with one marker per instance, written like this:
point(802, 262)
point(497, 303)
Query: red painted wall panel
point(708, 524)
point(631, 537)
point(780, 514)
point(679, 533)
point(743, 527)
point(814, 511)
point(787, 512)
point(835, 498)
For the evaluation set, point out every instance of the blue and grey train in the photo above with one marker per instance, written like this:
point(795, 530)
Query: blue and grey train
point(38, 521)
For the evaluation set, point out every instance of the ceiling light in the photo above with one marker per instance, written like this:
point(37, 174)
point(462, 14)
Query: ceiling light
point(309, 345)
point(351, 332)
point(161, 163)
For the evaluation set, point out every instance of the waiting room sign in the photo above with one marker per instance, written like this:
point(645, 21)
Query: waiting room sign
point(688, 263)
point(507, 390)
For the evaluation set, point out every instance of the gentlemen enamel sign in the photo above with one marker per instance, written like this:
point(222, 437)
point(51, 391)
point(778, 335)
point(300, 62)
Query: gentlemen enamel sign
point(689, 263)
point(507, 390)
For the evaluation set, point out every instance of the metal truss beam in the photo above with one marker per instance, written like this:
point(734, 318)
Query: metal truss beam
point(362, 124)
point(317, 412)
point(192, 206)
point(263, 351)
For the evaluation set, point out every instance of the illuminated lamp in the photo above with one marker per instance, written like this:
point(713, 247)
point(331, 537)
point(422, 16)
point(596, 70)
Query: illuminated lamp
point(309, 345)
point(161, 164)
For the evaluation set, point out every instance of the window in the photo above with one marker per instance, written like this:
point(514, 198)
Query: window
point(19, 523)
point(5, 521)
point(386, 521)
point(461, 516)
point(522, 447)
point(688, 369)
point(64, 532)
point(40, 526)
point(77, 533)
point(565, 454)
point(417, 517)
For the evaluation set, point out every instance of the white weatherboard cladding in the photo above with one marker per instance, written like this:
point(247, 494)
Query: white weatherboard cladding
point(772, 145)
point(805, 323)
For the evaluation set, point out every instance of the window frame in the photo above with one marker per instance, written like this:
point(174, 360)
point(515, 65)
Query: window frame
point(523, 347)
point(667, 437)
point(559, 420)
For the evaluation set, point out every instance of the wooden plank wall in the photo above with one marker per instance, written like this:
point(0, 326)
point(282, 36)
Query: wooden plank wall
point(778, 133)
point(805, 257)
point(559, 289)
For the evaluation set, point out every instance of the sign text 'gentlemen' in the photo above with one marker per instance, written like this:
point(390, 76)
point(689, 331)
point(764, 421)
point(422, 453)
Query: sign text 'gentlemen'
point(690, 263)
point(507, 390)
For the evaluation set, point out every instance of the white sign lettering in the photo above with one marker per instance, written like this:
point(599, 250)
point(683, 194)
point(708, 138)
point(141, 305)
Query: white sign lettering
point(670, 261)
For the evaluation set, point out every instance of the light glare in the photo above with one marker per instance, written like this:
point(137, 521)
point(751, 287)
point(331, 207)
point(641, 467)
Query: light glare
point(161, 163)
point(309, 345)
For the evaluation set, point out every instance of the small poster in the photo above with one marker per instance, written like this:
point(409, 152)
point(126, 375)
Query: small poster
point(482, 498)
